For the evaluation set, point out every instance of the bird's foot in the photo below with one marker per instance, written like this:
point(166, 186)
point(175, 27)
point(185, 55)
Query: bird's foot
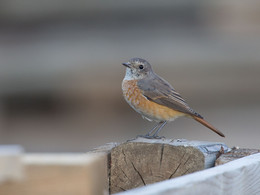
point(130, 139)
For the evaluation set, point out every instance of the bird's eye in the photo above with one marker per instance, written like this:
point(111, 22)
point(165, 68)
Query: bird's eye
point(141, 67)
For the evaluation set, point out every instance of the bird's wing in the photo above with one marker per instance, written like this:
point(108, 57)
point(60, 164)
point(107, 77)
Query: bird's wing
point(161, 92)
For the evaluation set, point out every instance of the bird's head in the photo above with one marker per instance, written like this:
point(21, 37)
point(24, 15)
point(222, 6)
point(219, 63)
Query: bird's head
point(137, 68)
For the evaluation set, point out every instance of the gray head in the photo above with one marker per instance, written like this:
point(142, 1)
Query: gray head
point(138, 68)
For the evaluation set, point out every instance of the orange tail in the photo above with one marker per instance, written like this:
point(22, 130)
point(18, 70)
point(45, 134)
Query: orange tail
point(205, 123)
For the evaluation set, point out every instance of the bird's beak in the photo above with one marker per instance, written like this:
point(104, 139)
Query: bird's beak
point(127, 64)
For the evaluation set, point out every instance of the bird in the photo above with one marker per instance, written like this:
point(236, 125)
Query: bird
point(154, 98)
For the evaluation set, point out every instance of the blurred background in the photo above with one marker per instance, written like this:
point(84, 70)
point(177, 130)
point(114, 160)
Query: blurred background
point(61, 72)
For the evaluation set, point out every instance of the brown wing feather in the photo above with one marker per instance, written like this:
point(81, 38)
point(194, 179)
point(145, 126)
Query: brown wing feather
point(161, 92)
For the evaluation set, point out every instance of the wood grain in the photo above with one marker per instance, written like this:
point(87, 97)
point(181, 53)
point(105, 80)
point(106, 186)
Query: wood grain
point(238, 177)
point(145, 161)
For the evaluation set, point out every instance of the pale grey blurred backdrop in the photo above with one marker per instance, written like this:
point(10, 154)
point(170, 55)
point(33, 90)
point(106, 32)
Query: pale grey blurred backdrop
point(61, 72)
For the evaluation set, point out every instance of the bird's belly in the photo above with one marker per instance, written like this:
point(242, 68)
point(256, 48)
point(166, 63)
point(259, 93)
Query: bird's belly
point(145, 107)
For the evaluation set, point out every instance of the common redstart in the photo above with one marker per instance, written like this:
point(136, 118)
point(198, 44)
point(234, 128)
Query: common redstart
point(154, 98)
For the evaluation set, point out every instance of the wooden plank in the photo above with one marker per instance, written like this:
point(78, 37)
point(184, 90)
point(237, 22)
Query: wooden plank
point(61, 174)
point(237, 177)
point(211, 150)
point(11, 168)
point(234, 154)
point(144, 161)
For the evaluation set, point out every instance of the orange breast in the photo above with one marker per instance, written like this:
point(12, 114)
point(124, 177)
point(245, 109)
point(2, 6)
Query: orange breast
point(145, 107)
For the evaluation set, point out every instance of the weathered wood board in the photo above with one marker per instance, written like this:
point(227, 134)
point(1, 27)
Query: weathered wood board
point(234, 154)
point(60, 174)
point(144, 161)
point(238, 177)
point(11, 168)
point(114, 166)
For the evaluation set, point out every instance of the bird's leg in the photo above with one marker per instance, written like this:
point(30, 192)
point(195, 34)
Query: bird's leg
point(152, 130)
point(148, 135)
point(158, 126)
point(162, 124)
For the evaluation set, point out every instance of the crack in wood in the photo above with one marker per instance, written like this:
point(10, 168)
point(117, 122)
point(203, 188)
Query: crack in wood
point(123, 152)
point(186, 171)
point(182, 157)
point(186, 160)
point(162, 150)
point(177, 166)
point(109, 162)
point(141, 177)
point(175, 171)
point(125, 174)
point(123, 189)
